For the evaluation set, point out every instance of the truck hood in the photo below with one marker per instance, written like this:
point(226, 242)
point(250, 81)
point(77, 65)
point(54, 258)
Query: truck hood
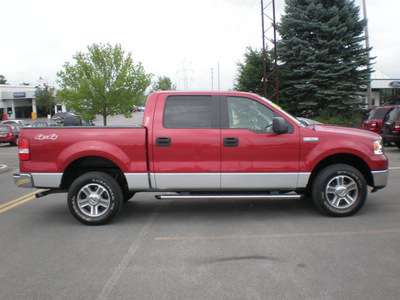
point(344, 131)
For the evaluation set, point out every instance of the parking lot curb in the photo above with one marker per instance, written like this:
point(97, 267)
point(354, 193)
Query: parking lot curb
point(3, 168)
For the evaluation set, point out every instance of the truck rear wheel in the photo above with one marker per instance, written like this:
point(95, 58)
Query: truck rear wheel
point(95, 198)
point(339, 190)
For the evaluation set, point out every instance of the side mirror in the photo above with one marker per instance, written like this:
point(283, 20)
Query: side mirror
point(279, 125)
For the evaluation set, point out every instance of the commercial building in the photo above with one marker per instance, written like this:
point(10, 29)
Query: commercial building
point(18, 101)
point(385, 90)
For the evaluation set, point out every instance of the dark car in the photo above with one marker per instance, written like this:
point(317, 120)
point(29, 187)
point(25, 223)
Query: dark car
point(77, 121)
point(9, 134)
point(45, 123)
point(391, 127)
point(60, 116)
point(374, 117)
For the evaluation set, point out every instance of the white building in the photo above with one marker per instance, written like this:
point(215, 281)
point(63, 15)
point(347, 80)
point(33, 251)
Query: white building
point(385, 90)
point(18, 101)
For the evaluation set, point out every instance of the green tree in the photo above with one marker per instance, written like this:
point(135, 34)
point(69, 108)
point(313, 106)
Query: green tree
point(163, 83)
point(322, 49)
point(3, 80)
point(45, 97)
point(102, 81)
point(250, 73)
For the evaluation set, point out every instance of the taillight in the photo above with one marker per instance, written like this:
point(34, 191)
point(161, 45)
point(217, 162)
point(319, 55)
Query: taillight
point(396, 126)
point(23, 149)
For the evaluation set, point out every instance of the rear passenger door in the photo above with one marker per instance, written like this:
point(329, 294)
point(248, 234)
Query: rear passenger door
point(186, 143)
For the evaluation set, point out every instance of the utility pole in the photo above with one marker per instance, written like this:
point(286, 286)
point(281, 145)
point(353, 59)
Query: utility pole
point(369, 88)
point(212, 79)
point(270, 7)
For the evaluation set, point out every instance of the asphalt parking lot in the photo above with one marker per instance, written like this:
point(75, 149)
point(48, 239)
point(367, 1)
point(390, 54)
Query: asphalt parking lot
point(198, 249)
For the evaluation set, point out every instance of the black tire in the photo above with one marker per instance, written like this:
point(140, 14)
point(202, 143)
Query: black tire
point(95, 198)
point(397, 144)
point(339, 190)
point(15, 143)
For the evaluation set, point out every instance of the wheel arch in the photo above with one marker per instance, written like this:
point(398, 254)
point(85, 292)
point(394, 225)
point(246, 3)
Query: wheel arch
point(342, 158)
point(87, 164)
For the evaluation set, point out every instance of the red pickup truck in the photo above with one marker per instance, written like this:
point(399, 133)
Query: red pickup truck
point(203, 145)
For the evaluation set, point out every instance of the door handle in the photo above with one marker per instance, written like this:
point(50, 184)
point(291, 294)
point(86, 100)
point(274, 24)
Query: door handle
point(163, 141)
point(231, 142)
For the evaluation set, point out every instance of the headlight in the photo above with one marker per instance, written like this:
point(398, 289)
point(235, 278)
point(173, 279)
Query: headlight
point(378, 147)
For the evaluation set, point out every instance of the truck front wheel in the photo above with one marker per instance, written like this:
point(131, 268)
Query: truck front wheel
point(95, 198)
point(339, 190)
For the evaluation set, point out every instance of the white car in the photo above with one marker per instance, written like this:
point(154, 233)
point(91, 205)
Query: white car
point(21, 123)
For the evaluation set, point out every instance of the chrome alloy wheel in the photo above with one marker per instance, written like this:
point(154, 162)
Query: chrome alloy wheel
point(93, 200)
point(341, 191)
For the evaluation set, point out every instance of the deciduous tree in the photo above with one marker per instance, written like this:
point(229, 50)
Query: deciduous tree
point(102, 81)
point(45, 98)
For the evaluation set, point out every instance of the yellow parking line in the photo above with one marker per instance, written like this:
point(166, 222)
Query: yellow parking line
point(394, 168)
point(11, 204)
point(316, 234)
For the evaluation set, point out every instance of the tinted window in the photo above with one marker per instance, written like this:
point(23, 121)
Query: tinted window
point(245, 113)
point(380, 113)
point(393, 115)
point(188, 112)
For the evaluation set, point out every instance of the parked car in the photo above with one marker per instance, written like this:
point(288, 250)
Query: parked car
point(373, 119)
point(9, 134)
point(45, 123)
point(60, 116)
point(20, 123)
point(391, 127)
point(77, 120)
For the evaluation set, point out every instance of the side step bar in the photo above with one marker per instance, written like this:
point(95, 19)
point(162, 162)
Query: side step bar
point(228, 196)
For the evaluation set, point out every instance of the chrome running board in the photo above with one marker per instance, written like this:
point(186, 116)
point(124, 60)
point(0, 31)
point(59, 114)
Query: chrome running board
point(227, 196)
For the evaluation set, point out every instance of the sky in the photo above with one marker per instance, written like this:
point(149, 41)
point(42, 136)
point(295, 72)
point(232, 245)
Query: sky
point(195, 43)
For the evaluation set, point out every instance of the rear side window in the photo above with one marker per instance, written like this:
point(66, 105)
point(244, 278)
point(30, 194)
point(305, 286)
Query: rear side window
point(381, 113)
point(188, 112)
point(393, 115)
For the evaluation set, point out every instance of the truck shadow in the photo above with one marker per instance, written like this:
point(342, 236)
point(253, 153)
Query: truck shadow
point(216, 208)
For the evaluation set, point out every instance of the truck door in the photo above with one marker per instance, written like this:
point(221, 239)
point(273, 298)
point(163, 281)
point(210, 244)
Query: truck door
point(253, 157)
point(186, 143)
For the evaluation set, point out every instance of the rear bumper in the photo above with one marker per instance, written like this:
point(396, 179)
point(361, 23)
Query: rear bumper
point(38, 180)
point(380, 178)
point(23, 180)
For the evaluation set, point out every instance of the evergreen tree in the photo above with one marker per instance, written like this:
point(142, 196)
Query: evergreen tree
point(3, 80)
point(322, 47)
point(250, 73)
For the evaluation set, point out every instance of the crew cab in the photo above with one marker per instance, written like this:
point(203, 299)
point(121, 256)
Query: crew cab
point(203, 145)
